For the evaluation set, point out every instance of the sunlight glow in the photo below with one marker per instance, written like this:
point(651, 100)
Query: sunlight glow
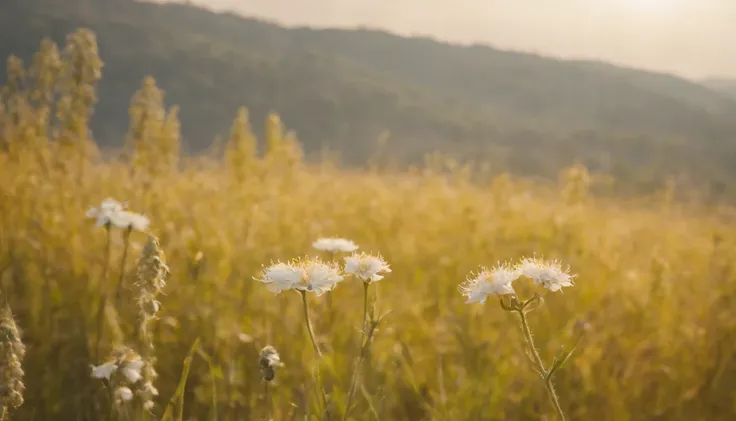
point(649, 6)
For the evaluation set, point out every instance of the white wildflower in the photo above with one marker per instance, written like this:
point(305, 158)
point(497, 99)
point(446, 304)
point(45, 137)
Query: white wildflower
point(104, 371)
point(281, 276)
point(103, 214)
point(366, 267)
point(496, 281)
point(334, 245)
point(549, 274)
point(130, 220)
point(319, 277)
point(123, 394)
point(114, 213)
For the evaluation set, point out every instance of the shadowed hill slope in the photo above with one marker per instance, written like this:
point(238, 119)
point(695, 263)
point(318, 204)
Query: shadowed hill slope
point(343, 89)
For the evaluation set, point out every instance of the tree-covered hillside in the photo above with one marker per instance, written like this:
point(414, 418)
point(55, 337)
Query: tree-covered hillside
point(345, 89)
point(722, 85)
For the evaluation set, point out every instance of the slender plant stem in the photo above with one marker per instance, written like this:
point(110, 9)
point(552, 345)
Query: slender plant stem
point(309, 324)
point(267, 398)
point(126, 245)
point(365, 313)
point(103, 295)
point(356, 373)
point(540, 364)
point(316, 350)
point(113, 415)
point(329, 294)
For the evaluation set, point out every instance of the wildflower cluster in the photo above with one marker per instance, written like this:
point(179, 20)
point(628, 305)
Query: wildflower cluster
point(314, 275)
point(112, 213)
point(499, 280)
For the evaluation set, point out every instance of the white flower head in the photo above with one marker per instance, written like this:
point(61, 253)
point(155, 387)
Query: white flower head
point(130, 220)
point(115, 214)
point(123, 394)
point(104, 371)
point(281, 276)
point(103, 213)
point(366, 267)
point(334, 245)
point(549, 274)
point(497, 281)
point(319, 277)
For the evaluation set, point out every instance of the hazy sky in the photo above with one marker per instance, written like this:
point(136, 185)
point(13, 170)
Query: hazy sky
point(693, 38)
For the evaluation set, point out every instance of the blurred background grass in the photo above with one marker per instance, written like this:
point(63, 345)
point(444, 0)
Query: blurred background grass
point(656, 277)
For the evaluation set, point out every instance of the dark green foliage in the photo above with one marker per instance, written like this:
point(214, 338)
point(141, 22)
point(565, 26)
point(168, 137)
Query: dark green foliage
point(344, 89)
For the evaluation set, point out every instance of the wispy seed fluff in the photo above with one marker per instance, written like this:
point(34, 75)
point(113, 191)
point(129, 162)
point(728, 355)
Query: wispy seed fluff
point(129, 375)
point(334, 245)
point(124, 365)
point(497, 281)
point(303, 275)
point(366, 267)
point(549, 273)
point(12, 352)
point(269, 361)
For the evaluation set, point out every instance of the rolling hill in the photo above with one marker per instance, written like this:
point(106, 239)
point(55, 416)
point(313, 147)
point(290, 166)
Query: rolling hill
point(343, 89)
point(723, 85)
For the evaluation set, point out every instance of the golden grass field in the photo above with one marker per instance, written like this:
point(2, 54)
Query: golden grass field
point(654, 288)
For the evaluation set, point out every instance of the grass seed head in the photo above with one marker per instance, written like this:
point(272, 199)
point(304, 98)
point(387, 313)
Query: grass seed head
point(268, 361)
point(152, 273)
point(12, 352)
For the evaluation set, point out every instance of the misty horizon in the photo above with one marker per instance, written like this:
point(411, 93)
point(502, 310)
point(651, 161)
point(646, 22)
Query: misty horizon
point(666, 36)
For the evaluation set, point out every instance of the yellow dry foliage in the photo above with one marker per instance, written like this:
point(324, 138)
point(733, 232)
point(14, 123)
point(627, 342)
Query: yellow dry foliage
point(654, 290)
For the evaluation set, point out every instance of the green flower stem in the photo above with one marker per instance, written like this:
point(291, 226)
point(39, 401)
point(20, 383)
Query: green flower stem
point(103, 295)
point(356, 373)
point(309, 324)
point(316, 350)
point(126, 245)
point(540, 365)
